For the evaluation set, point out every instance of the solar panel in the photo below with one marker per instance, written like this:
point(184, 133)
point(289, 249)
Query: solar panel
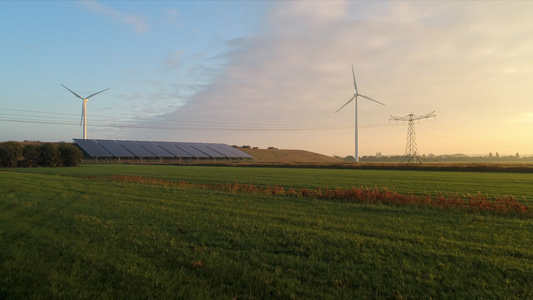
point(170, 147)
point(205, 149)
point(221, 150)
point(136, 149)
point(115, 148)
point(190, 149)
point(155, 149)
point(124, 148)
point(237, 152)
point(92, 148)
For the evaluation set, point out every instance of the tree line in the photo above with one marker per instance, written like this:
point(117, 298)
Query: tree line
point(443, 158)
point(29, 155)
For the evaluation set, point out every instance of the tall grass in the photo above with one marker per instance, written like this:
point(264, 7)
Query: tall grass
point(479, 202)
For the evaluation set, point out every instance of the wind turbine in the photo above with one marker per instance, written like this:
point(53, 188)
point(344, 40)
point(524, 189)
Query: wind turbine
point(84, 109)
point(351, 99)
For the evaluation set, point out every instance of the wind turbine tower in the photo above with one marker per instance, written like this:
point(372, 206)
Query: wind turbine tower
point(355, 96)
point(84, 109)
point(411, 153)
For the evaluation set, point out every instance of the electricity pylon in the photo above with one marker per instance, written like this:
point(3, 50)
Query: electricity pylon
point(411, 153)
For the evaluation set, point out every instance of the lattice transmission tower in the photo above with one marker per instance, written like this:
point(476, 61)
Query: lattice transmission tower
point(411, 153)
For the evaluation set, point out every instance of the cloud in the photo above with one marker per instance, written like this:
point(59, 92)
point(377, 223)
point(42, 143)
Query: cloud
point(451, 57)
point(523, 118)
point(174, 60)
point(138, 22)
point(173, 16)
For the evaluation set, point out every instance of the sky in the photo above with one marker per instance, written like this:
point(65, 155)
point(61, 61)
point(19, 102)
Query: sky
point(272, 73)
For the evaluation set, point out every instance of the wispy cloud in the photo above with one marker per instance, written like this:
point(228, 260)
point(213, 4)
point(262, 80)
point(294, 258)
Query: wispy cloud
point(172, 16)
point(416, 57)
point(523, 118)
point(174, 60)
point(138, 22)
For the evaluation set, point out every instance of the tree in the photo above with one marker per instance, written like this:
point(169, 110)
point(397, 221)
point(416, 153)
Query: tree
point(49, 155)
point(70, 155)
point(10, 154)
point(517, 155)
point(31, 155)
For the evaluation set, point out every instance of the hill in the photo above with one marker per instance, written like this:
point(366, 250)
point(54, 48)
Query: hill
point(289, 156)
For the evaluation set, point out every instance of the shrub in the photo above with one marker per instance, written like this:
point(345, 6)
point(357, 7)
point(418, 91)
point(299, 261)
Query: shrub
point(70, 155)
point(30, 152)
point(10, 154)
point(15, 154)
point(49, 155)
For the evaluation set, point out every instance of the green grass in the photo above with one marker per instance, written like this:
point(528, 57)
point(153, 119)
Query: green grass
point(74, 237)
point(418, 182)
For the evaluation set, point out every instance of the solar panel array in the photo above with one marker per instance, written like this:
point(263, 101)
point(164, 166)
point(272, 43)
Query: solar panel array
point(155, 149)
point(115, 148)
point(136, 149)
point(146, 149)
point(92, 149)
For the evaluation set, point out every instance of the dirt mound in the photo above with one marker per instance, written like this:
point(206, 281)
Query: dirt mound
point(289, 156)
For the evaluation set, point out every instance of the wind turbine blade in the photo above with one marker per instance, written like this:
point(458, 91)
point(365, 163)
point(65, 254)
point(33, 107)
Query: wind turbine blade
point(97, 93)
point(371, 99)
point(82, 113)
point(354, 83)
point(73, 92)
point(345, 104)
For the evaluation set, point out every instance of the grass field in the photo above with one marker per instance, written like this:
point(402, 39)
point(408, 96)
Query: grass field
point(71, 236)
point(419, 182)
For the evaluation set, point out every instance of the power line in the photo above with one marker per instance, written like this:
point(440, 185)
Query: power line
point(180, 127)
point(176, 122)
point(72, 119)
point(451, 132)
point(43, 117)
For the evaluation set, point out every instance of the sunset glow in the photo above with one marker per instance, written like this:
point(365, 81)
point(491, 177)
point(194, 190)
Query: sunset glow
point(265, 73)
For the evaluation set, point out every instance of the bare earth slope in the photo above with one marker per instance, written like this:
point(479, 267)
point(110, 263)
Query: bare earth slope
point(289, 156)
